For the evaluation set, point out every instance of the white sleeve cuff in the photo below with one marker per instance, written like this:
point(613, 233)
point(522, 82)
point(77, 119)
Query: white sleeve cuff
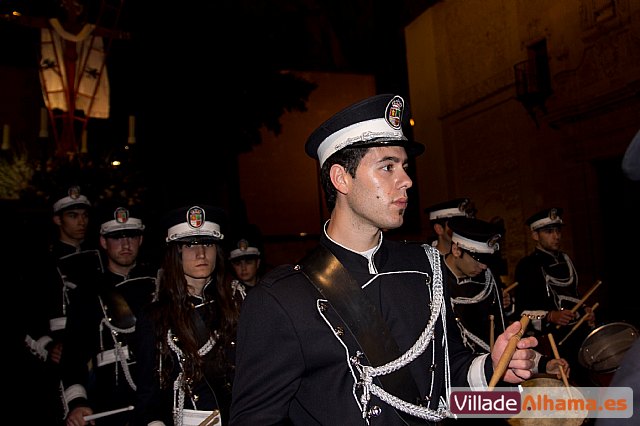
point(75, 391)
point(475, 376)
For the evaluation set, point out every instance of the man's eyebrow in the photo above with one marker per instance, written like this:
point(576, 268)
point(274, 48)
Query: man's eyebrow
point(393, 158)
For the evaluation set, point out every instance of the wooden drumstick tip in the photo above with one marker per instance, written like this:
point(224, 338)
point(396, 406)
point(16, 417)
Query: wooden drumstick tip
point(511, 287)
point(556, 354)
point(584, 299)
point(578, 324)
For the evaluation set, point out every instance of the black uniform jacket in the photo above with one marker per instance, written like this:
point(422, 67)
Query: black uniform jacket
point(213, 391)
point(473, 300)
point(53, 284)
point(534, 293)
point(104, 312)
point(293, 360)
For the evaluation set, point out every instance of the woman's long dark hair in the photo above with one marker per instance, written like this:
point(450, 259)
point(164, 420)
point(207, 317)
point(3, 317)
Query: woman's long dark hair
point(175, 311)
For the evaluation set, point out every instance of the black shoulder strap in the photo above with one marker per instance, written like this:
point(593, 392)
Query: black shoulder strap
point(364, 321)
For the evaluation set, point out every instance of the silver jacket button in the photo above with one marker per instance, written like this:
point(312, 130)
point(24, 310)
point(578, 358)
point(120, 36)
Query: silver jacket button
point(374, 411)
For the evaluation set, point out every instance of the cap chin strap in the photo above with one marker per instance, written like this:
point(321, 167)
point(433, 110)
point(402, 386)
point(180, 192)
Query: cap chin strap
point(182, 230)
point(359, 132)
point(438, 214)
point(132, 224)
point(545, 221)
point(249, 251)
point(471, 245)
point(69, 201)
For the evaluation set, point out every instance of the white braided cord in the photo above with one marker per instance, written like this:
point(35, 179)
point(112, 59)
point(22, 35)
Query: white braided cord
point(121, 357)
point(466, 334)
point(489, 284)
point(552, 281)
point(179, 384)
point(237, 286)
point(367, 373)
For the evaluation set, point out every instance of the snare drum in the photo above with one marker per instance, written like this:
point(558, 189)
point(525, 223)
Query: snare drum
point(549, 381)
point(603, 349)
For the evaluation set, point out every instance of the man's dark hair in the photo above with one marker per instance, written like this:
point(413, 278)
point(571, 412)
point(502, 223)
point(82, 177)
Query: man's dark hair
point(440, 221)
point(349, 158)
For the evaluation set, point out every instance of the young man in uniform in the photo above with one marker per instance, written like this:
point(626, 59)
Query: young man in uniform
point(476, 298)
point(245, 258)
point(101, 322)
point(548, 286)
point(439, 215)
point(322, 342)
point(53, 283)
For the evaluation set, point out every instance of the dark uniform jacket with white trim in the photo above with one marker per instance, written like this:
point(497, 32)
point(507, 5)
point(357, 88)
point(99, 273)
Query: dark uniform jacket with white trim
point(546, 282)
point(54, 282)
point(293, 353)
point(473, 299)
point(100, 326)
point(155, 404)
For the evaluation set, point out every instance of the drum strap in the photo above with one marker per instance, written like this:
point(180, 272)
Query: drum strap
point(364, 321)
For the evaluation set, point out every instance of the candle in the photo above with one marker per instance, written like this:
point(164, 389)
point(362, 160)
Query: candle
point(83, 148)
point(44, 123)
point(5, 137)
point(132, 130)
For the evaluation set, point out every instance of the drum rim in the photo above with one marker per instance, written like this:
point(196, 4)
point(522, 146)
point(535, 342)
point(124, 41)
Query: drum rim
point(596, 330)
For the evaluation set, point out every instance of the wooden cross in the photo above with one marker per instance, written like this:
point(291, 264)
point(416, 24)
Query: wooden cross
point(72, 24)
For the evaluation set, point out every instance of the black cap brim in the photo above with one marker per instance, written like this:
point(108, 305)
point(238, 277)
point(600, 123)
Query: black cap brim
point(197, 240)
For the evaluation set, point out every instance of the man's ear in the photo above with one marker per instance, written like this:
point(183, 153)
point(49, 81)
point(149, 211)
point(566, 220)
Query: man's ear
point(103, 242)
point(438, 228)
point(340, 178)
point(57, 219)
point(455, 250)
point(535, 235)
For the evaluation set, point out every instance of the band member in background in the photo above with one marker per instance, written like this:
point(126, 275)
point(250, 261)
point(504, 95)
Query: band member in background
point(101, 322)
point(439, 215)
point(476, 296)
point(68, 259)
point(548, 286)
point(245, 258)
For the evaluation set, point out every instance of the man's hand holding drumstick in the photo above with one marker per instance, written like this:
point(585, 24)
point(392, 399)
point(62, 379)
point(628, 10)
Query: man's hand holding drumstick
point(517, 368)
point(563, 317)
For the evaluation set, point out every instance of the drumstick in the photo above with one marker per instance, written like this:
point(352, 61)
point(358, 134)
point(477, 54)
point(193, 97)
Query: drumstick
point(579, 323)
point(491, 332)
point(511, 287)
point(210, 418)
point(107, 413)
point(557, 355)
point(586, 296)
point(503, 363)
